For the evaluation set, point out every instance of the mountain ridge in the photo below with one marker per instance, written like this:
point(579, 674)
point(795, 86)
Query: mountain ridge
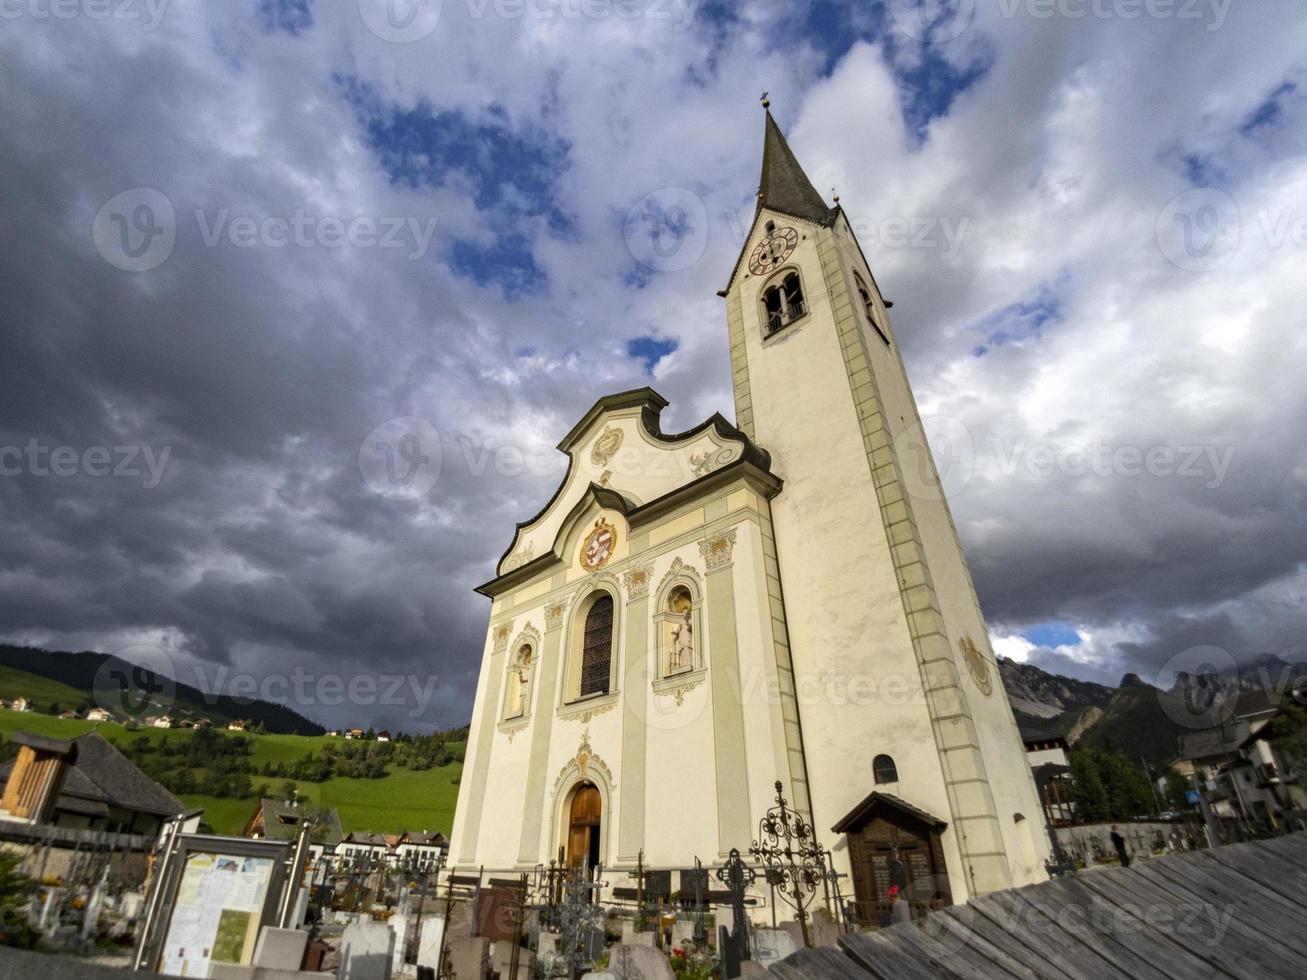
point(127, 688)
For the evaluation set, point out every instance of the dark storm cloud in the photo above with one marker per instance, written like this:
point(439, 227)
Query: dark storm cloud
point(262, 369)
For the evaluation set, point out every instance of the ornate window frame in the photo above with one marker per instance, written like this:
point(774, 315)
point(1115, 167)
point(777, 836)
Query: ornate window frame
point(570, 701)
point(665, 681)
point(528, 643)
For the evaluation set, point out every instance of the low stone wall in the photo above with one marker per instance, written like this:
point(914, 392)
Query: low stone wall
point(1091, 844)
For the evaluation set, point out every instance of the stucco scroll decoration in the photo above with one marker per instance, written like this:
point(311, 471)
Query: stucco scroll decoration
point(701, 464)
point(520, 557)
point(716, 549)
point(679, 691)
point(584, 765)
point(679, 569)
point(501, 633)
point(585, 712)
point(637, 580)
point(606, 446)
point(554, 614)
point(530, 636)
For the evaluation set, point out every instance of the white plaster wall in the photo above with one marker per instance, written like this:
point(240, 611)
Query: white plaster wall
point(846, 619)
point(1045, 756)
point(1006, 766)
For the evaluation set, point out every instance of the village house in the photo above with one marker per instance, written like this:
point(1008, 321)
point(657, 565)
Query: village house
point(1240, 772)
point(1051, 767)
point(420, 850)
point(360, 846)
point(282, 820)
point(99, 714)
point(236, 726)
point(82, 784)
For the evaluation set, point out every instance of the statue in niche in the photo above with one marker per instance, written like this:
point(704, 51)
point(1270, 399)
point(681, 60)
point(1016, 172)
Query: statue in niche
point(682, 652)
point(520, 680)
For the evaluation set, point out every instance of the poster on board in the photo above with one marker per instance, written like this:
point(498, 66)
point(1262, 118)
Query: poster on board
point(217, 912)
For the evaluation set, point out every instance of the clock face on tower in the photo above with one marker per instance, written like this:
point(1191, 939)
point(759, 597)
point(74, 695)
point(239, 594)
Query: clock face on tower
point(772, 251)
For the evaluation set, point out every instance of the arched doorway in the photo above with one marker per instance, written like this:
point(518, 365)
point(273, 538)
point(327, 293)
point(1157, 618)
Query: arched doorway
point(583, 824)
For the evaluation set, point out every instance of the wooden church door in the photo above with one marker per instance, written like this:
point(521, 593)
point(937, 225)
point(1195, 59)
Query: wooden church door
point(584, 820)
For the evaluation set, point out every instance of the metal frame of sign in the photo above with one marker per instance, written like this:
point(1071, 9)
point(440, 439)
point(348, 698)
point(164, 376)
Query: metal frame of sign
point(174, 857)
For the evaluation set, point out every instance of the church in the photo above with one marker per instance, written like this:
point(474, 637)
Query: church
point(696, 616)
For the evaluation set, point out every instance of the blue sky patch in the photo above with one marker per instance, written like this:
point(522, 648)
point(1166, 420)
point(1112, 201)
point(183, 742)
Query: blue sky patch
point(512, 170)
point(292, 16)
point(1269, 112)
point(1019, 321)
point(1052, 634)
point(650, 350)
point(507, 263)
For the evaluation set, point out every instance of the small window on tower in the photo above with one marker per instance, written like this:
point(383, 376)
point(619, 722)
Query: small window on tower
point(884, 770)
point(869, 306)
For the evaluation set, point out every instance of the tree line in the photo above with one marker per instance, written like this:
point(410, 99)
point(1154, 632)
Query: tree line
point(223, 765)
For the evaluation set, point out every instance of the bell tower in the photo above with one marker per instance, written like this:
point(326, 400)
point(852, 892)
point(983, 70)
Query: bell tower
point(890, 652)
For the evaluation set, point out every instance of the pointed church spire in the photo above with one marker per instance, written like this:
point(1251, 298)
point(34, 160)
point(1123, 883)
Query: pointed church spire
point(784, 186)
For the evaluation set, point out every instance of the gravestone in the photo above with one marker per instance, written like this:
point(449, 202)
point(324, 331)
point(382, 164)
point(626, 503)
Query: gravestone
point(469, 956)
point(547, 944)
point(367, 950)
point(501, 959)
point(399, 925)
point(280, 949)
point(633, 937)
point(430, 942)
point(639, 963)
point(496, 914)
point(772, 945)
point(683, 931)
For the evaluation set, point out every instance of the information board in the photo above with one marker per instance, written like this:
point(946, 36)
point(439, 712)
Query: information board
point(216, 914)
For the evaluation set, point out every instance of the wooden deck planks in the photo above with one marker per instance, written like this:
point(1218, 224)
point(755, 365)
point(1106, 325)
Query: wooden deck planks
point(818, 964)
point(1202, 933)
point(1225, 888)
point(1046, 960)
point(1082, 913)
point(1238, 911)
point(887, 958)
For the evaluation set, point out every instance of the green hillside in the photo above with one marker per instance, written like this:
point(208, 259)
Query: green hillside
point(403, 799)
point(41, 691)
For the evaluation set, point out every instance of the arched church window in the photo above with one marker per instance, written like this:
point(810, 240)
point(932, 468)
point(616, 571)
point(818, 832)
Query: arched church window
point(884, 770)
point(597, 647)
point(782, 302)
point(519, 683)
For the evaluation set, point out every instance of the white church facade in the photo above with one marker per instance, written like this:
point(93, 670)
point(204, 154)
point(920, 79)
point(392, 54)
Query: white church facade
point(694, 617)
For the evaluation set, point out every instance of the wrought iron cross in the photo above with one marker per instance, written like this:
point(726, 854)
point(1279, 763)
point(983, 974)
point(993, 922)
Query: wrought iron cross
point(737, 877)
point(795, 863)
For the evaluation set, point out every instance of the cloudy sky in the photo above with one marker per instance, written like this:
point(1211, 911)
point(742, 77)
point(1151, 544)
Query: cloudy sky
point(297, 298)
